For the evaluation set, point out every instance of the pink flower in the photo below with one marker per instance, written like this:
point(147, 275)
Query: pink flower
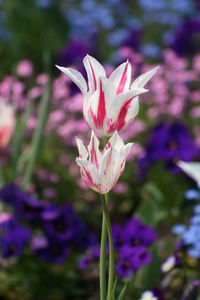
point(101, 170)
point(109, 104)
point(25, 68)
point(7, 124)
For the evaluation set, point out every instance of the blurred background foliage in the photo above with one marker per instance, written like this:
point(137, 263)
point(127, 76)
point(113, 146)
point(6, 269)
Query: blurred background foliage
point(49, 32)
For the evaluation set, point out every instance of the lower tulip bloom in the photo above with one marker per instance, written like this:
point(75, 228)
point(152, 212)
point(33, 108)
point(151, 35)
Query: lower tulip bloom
point(101, 171)
point(7, 123)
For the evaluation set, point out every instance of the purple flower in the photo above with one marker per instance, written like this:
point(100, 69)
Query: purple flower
point(169, 143)
point(137, 233)
point(25, 206)
point(131, 241)
point(13, 242)
point(118, 237)
point(186, 38)
point(83, 238)
point(9, 193)
point(52, 251)
point(60, 222)
point(64, 225)
point(131, 259)
point(73, 53)
point(92, 256)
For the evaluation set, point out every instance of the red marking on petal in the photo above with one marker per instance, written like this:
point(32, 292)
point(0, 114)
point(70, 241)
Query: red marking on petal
point(108, 162)
point(101, 107)
point(88, 178)
point(93, 74)
point(93, 155)
point(101, 111)
point(123, 80)
point(108, 145)
point(121, 117)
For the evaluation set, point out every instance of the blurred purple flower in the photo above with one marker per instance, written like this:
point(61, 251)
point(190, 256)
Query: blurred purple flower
point(186, 40)
point(52, 251)
point(73, 53)
point(26, 207)
point(60, 223)
point(13, 242)
point(169, 143)
point(131, 260)
point(130, 243)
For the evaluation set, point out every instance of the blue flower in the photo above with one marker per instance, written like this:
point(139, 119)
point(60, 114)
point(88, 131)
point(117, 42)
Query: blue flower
point(192, 194)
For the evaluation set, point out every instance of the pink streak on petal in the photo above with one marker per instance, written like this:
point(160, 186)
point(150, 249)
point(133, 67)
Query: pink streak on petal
point(88, 178)
point(122, 114)
point(101, 112)
point(101, 107)
point(108, 162)
point(93, 74)
point(108, 145)
point(94, 118)
point(121, 117)
point(93, 154)
point(123, 80)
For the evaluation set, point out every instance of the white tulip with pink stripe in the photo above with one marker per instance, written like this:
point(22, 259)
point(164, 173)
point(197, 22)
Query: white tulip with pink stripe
point(109, 104)
point(101, 170)
point(7, 123)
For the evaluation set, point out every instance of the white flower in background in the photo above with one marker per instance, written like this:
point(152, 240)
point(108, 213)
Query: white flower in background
point(148, 295)
point(109, 104)
point(101, 170)
point(192, 169)
point(168, 264)
point(7, 123)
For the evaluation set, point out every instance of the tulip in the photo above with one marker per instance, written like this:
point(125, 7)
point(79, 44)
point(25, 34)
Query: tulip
point(192, 169)
point(101, 170)
point(109, 104)
point(7, 124)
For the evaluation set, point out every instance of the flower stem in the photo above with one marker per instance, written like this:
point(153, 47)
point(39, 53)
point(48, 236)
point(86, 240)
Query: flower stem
point(111, 247)
point(102, 271)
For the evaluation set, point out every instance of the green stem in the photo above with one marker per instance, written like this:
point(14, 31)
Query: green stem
point(36, 141)
point(111, 247)
point(102, 270)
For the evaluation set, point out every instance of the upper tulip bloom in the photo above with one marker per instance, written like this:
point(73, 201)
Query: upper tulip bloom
point(101, 170)
point(109, 104)
point(7, 124)
point(192, 169)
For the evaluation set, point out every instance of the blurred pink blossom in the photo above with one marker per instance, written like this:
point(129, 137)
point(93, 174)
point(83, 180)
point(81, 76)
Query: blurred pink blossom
point(25, 68)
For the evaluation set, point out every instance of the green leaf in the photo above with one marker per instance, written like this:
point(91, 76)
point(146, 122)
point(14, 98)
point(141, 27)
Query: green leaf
point(152, 209)
point(114, 289)
point(122, 294)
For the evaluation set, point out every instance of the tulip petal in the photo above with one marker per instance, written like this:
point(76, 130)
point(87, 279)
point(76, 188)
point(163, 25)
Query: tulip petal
point(192, 169)
point(120, 107)
point(93, 149)
point(104, 170)
point(83, 153)
point(97, 107)
point(94, 70)
point(140, 81)
point(115, 141)
point(76, 77)
point(88, 173)
point(132, 112)
point(122, 77)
